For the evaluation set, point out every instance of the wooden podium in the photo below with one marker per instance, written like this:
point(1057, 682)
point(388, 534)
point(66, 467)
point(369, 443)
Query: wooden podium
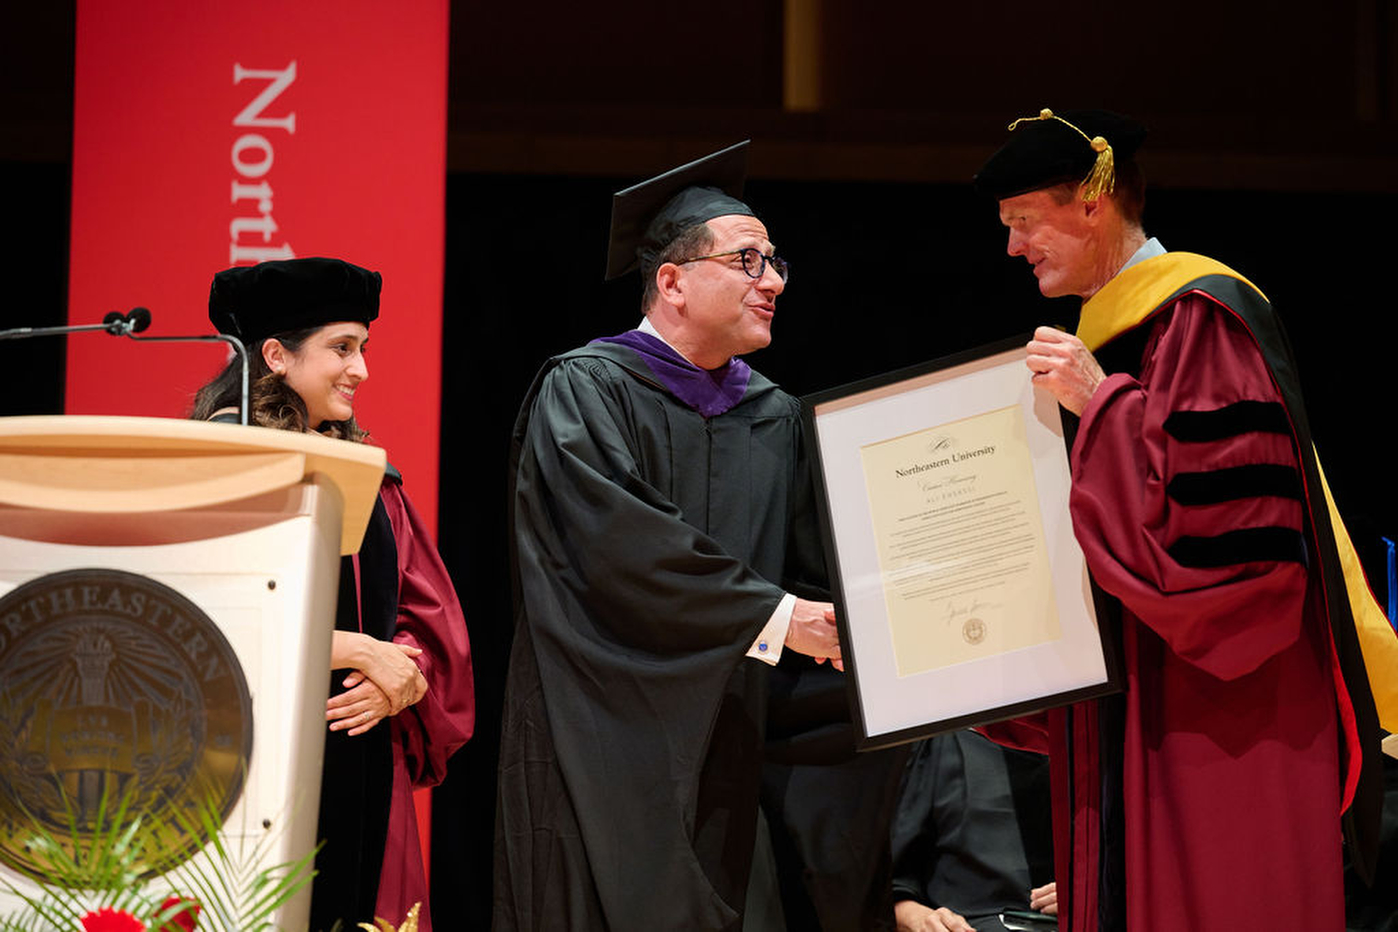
point(167, 596)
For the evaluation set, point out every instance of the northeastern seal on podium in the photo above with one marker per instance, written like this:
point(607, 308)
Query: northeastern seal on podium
point(116, 693)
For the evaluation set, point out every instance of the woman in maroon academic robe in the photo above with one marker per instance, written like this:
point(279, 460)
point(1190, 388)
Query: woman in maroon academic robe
point(402, 701)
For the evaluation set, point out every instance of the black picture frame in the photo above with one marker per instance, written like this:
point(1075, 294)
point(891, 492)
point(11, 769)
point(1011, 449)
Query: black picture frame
point(840, 425)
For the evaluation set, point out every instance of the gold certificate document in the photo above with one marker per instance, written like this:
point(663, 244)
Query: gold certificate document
point(960, 591)
point(961, 550)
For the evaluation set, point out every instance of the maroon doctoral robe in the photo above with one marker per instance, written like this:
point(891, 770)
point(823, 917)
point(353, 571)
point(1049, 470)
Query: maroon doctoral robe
point(426, 734)
point(1209, 795)
point(395, 588)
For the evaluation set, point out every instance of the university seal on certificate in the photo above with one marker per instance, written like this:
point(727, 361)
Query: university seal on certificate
point(973, 631)
point(115, 691)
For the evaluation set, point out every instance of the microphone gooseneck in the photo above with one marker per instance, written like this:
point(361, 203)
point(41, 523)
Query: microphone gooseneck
point(133, 322)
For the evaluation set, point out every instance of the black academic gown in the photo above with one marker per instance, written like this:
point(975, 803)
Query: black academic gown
point(358, 773)
point(972, 832)
point(651, 546)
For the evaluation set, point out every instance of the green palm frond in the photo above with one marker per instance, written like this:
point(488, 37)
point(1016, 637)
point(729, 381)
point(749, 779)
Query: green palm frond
point(105, 864)
point(238, 894)
point(97, 869)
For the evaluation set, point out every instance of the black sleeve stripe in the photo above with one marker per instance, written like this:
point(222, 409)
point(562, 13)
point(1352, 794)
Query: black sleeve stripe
point(1248, 545)
point(1235, 482)
point(1241, 417)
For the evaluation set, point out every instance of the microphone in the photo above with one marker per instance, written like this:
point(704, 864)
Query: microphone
point(138, 319)
point(131, 323)
point(123, 325)
point(115, 322)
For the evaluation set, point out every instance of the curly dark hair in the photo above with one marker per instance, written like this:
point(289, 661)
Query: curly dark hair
point(271, 402)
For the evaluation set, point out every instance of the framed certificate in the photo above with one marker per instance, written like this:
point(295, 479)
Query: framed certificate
point(962, 595)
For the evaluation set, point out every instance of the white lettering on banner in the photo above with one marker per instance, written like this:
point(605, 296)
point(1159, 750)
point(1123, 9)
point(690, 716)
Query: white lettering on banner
point(255, 254)
point(254, 169)
point(264, 225)
point(262, 191)
point(252, 157)
point(252, 113)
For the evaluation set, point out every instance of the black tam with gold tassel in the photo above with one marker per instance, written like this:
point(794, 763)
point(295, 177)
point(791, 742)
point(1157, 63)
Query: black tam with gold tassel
point(1076, 146)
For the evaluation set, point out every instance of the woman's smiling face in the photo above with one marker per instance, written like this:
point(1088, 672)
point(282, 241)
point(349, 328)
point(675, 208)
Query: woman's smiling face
point(326, 370)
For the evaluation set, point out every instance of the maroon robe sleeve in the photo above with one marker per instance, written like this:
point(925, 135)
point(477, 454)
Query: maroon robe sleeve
point(1184, 527)
point(1025, 733)
point(429, 617)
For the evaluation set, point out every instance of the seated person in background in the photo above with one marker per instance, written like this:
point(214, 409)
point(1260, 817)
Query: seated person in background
point(971, 837)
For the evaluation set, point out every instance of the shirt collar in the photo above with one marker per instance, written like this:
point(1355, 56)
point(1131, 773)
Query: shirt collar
point(1149, 250)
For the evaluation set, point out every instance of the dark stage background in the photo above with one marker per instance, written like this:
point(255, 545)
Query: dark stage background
point(1273, 150)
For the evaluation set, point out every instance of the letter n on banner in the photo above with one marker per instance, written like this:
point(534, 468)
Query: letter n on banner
point(209, 135)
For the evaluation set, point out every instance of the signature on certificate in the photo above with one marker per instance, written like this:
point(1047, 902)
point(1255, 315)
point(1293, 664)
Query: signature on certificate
point(956, 609)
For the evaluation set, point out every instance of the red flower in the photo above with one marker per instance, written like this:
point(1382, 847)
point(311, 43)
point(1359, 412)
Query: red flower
point(184, 921)
point(107, 919)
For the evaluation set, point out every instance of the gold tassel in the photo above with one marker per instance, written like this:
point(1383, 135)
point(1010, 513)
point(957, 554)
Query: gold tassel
point(1102, 179)
point(1044, 114)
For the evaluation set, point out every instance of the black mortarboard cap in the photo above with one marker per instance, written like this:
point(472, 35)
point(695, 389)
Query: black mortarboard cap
point(254, 302)
point(1046, 150)
point(647, 217)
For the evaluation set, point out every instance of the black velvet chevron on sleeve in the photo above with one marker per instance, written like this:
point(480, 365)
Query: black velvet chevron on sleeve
point(1241, 417)
point(1235, 482)
point(1246, 545)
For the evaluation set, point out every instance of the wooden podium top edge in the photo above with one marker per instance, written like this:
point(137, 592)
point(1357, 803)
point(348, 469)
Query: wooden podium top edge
point(355, 469)
point(127, 436)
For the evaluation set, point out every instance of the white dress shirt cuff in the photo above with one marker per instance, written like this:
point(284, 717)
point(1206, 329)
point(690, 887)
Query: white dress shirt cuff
point(768, 646)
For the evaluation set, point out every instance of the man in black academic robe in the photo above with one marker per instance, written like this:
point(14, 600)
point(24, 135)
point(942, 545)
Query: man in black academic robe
point(662, 538)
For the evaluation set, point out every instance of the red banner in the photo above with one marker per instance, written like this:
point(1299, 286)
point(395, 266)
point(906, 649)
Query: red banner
point(209, 135)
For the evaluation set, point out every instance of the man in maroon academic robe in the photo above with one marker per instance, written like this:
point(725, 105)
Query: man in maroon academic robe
point(1208, 795)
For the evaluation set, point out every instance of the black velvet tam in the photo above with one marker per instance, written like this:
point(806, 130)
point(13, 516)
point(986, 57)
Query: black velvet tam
point(647, 217)
point(1044, 152)
point(253, 302)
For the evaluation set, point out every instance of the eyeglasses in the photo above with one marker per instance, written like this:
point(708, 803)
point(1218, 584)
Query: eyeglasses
point(754, 262)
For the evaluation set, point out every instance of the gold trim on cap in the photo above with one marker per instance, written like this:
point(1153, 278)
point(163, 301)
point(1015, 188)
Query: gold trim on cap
point(1102, 179)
